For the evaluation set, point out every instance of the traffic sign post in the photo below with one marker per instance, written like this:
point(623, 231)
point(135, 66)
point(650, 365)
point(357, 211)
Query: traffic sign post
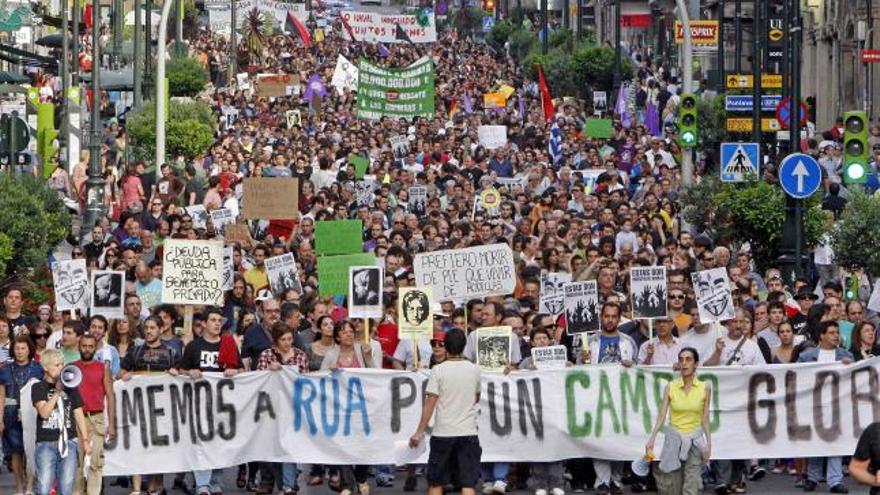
point(800, 175)
point(740, 162)
point(783, 113)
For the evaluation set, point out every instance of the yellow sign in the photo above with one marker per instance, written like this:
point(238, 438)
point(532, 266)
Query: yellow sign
point(745, 125)
point(490, 198)
point(746, 81)
point(506, 90)
point(494, 100)
point(775, 34)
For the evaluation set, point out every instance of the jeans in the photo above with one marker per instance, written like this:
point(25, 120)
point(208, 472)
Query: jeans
point(834, 472)
point(286, 474)
point(495, 471)
point(207, 478)
point(50, 467)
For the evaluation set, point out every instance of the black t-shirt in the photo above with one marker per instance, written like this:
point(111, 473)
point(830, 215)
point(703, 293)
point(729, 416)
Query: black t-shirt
point(48, 430)
point(146, 358)
point(21, 320)
point(868, 449)
point(203, 355)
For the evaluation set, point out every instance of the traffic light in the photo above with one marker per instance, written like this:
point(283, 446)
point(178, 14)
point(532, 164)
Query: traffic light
point(489, 6)
point(855, 147)
point(687, 121)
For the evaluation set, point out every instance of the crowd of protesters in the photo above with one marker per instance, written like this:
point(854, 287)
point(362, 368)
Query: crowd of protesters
point(595, 208)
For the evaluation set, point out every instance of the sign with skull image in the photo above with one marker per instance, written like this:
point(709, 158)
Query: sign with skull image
point(714, 299)
point(553, 292)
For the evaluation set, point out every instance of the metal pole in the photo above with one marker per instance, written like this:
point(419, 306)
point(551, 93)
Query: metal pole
point(95, 182)
point(136, 56)
point(737, 27)
point(118, 17)
point(178, 35)
point(545, 44)
point(579, 22)
point(794, 124)
point(566, 14)
point(148, 50)
point(233, 43)
point(617, 54)
point(74, 49)
point(721, 45)
point(785, 67)
point(160, 87)
point(65, 83)
point(757, 32)
point(687, 84)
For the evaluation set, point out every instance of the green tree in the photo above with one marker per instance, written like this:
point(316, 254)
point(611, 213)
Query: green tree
point(712, 129)
point(500, 33)
point(33, 221)
point(595, 66)
point(189, 140)
point(855, 237)
point(186, 76)
point(468, 21)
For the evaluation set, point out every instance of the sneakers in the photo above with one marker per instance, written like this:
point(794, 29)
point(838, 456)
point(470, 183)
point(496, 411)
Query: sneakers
point(540, 491)
point(486, 488)
point(810, 486)
point(721, 489)
point(557, 491)
point(839, 488)
point(499, 487)
point(203, 490)
point(603, 489)
point(756, 473)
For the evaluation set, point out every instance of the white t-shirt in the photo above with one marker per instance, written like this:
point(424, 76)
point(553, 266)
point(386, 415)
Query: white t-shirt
point(404, 354)
point(704, 343)
point(456, 384)
point(826, 356)
point(748, 354)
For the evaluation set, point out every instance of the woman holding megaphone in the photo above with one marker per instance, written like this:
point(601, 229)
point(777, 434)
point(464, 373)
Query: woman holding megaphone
point(687, 444)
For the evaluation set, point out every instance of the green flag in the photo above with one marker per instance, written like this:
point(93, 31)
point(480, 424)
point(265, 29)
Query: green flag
point(361, 165)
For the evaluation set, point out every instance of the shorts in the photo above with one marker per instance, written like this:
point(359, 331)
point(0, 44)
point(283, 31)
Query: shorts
point(13, 436)
point(454, 454)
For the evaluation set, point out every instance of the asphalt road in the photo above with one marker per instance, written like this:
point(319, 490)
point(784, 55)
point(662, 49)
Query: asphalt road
point(772, 484)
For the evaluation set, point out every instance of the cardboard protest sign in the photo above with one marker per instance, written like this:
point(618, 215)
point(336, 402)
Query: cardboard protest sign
point(237, 233)
point(333, 272)
point(108, 293)
point(361, 165)
point(339, 237)
point(365, 291)
point(192, 272)
point(552, 292)
point(492, 136)
point(220, 218)
point(274, 85)
point(714, 299)
point(69, 279)
point(648, 291)
point(382, 28)
point(552, 357)
point(581, 301)
point(228, 268)
point(405, 92)
point(598, 128)
point(345, 75)
point(459, 274)
point(199, 216)
point(282, 274)
point(270, 198)
point(418, 200)
point(493, 348)
point(415, 319)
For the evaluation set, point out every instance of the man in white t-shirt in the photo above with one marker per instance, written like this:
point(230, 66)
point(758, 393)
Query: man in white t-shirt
point(702, 336)
point(828, 351)
point(453, 392)
point(737, 348)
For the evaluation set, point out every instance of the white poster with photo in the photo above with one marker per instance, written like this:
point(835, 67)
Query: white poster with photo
point(714, 299)
point(345, 75)
point(365, 190)
point(492, 136)
point(553, 292)
point(399, 146)
point(415, 314)
point(581, 301)
point(493, 348)
point(365, 291)
point(69, 278)
point(192, 272)
point(600, 102)
point(418, 201)
point(108, 293)
point(199, 216)
point(648, 292)
point(283, 274)
point(220, 218)
point(552, 357)
point(228, 268)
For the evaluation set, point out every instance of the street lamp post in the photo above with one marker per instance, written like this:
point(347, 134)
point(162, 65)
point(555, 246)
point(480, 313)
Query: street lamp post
point(617, 53)
point(74, 50)
point(687, 83)
point(148, 50)
point(757, 35)
point(118, 14)
point(233, 42)
point(65, 69)
point(95, 182)
point(136, 56)
point(160, 87)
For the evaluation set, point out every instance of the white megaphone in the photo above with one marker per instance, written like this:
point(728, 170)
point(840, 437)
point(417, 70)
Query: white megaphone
point(641, 467)
point(71, 376)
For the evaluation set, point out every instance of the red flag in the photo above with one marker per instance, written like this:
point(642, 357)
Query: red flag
point(347, 27)
point(294, 25)
point(546, 99)
point(87, 16)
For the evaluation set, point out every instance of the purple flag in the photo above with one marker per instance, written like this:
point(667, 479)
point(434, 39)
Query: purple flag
point(652, 119)
point(522, 107)
point(468, 104)
point(621, 107)
point(383, 50)
point(315, 88)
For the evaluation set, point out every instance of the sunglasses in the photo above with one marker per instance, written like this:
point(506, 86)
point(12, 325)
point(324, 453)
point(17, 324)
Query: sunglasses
point(77, 253)
point(41, 335)
point(438, 343)
point(676, 296)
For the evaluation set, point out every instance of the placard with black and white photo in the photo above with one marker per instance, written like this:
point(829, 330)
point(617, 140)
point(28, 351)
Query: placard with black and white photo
point(581, 307)
point(71, 284)
point(228, 268)
point(418, 201)
point(365, 291)
point(714, 299)
point(552, 294)
point(282, 274)
point(648, 291)
point(365, 191)
point(493, 348)
point(108, 293)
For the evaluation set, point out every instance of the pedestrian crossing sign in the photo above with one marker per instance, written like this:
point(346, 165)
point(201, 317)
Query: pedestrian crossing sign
point(740, 162)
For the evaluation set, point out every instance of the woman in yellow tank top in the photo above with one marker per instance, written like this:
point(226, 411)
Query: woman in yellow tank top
point(688, 444)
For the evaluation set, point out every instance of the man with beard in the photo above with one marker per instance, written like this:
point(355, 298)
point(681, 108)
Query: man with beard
point(258, 337)
point(96, 387)
point(258, 277)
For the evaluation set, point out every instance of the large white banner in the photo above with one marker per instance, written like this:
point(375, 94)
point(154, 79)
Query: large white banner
point(220, 15)
point(373, 27)
point(173, 424)
point(458, 274)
